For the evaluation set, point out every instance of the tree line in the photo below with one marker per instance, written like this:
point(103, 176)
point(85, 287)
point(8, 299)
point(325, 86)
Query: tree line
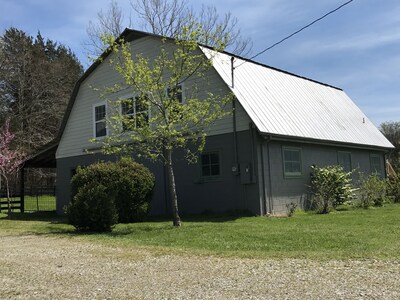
point(37, 76)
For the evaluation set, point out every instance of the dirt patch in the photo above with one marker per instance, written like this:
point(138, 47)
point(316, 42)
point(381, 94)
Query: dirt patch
point(41, 267)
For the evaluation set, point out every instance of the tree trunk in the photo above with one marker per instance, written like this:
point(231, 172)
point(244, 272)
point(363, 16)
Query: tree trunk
point(8, 196)
point(172, 190)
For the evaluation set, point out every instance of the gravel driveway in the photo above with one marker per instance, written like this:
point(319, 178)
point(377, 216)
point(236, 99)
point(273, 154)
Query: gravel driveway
point(41, 267)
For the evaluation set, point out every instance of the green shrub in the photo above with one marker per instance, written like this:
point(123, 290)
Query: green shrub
point(372, 191)
point(330, 186)
point(291, 208)
point(134, 187)
point(393, 188)
point(92, 209)
point(130, 183)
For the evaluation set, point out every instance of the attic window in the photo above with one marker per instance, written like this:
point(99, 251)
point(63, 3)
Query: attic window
point(135, 112)
point(100, 126)
point(176, 93)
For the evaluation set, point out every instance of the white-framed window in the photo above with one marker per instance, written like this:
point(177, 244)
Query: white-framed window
point(176, 93)
point(135, 113)
point(344, 159)
point(99, 120)
point(291, 162)
point(376, 165)
point(210, 164)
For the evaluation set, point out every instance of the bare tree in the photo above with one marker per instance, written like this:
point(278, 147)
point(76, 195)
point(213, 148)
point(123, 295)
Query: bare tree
point(109, 23)
point(170, 18)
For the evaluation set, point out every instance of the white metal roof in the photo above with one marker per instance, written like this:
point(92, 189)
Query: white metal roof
point(284, 104)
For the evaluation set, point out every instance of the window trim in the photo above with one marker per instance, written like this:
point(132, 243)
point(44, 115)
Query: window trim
point(374, 171)
point(210, 177)
point(94, 122)
point(285, 175)
point(351, 161)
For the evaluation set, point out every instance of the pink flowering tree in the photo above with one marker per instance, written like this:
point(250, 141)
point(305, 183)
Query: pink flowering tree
point(10, 160)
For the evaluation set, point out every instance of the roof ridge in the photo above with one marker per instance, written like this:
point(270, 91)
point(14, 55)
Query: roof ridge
point(280, 70)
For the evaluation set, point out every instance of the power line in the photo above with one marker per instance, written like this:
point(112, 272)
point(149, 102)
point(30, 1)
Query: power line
point(296, 32)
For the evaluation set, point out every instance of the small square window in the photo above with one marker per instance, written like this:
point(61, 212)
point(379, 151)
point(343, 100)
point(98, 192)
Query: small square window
point(292, 162)
point(210, 164)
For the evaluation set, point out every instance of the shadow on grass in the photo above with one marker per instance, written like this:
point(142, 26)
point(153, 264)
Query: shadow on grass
point(45, 216)
point(207, 216)
point(58, 224)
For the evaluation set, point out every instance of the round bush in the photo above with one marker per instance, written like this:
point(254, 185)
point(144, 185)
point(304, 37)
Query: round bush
point(130, 184)
point(92, 209)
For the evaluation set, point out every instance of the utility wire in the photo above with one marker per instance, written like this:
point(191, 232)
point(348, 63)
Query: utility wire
point(296, 32)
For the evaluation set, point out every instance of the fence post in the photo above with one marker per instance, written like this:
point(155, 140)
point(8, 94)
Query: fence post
point(22, 192)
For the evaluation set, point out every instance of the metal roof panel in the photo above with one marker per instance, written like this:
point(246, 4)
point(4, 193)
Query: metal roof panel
point(284, 104)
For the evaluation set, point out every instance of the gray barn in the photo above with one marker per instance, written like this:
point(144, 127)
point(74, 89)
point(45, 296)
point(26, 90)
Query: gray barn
point(258, 158)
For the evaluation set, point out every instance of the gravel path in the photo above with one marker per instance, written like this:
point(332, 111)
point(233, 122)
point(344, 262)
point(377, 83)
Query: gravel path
point(40, 267)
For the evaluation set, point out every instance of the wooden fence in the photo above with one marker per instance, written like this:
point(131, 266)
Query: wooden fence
point(36, 198)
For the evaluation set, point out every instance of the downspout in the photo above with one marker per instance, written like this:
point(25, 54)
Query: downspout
point(235, 144)
point(232, 72)
point(263, 201)
point(271, 207)
point(254, 155)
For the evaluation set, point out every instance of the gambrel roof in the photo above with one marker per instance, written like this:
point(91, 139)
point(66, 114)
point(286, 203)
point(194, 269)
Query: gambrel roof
point(287, 105)
point(279, 103)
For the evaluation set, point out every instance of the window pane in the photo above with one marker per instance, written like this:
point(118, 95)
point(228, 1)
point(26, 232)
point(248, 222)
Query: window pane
point(288, 167)
point(376, 164)
point(142, 119)
point(214, 159)
point(287, 155)
point(205, 159)
point(100, 112)
point(344, 159)
point(296, 167)
point(175, 93)
point(205, 171)
point(128, 123)
point(214, 170)
point(141, 104)
point(127, 107)
point(101, 129)
point(295, 155)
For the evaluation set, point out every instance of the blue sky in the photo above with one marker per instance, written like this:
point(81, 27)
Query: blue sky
point(356, 48)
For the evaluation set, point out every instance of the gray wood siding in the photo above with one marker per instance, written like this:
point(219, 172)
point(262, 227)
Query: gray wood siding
point(285, 190)
point(79, 128)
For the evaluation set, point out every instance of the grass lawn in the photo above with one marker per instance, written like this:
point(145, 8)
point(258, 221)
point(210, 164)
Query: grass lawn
point(41, 203)
point(355, 233)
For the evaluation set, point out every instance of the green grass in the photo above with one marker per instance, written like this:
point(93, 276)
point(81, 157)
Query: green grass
point(43, 203)
point(358, 233)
